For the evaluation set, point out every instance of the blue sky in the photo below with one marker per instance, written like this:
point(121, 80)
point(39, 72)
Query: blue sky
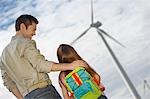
point(61, 21)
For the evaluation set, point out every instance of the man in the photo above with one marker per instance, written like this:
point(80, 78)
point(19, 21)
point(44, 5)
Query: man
point(24, 69)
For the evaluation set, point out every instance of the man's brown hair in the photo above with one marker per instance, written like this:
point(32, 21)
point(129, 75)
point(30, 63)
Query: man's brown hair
point(26, 19)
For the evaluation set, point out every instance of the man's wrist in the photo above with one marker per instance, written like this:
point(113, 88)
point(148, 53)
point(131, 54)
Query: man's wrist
point(19, 97)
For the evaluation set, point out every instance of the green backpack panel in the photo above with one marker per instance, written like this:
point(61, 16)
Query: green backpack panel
point(79, 82)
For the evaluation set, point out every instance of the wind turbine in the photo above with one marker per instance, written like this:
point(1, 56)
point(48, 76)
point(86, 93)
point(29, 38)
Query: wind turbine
point(146, 84)
point(119, 67)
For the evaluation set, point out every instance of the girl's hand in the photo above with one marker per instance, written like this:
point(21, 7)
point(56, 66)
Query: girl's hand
point(102, 87)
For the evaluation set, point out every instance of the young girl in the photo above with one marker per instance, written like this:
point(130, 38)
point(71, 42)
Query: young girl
point(67, 54)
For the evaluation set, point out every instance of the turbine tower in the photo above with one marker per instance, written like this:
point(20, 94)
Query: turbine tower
point(119, 67)
point(146, 84)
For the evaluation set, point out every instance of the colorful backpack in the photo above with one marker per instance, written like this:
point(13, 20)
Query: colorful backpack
point(79, 82)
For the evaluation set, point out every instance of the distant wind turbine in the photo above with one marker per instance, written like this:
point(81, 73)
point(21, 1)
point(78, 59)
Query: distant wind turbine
point(119, 67)
point(146, 85)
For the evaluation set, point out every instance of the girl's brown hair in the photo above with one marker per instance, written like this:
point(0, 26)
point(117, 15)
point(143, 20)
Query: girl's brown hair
point(67, 54)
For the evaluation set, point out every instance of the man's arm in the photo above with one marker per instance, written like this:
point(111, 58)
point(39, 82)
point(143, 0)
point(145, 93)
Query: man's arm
point(39, 62)
point(68, 66)
point(10, 85)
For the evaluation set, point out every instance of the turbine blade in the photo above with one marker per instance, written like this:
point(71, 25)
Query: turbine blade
point(148, 86)
point(92, 14)
point(101, 31)
point(80, 36)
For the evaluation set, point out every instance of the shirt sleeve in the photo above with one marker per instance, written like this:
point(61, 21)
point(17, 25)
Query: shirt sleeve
point(7, 81)
point(37, 60)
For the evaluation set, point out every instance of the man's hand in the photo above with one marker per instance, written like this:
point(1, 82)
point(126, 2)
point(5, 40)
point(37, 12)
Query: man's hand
point(79, 63)
point(17, 93)
point(20, 98)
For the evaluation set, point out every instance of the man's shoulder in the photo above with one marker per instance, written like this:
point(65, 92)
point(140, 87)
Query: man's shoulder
point(18, 42)
point(21, 41)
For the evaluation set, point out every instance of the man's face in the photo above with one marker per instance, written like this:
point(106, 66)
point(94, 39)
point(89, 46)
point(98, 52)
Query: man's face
point(30, 31)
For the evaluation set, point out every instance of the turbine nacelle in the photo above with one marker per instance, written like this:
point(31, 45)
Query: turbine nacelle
point(96, 25)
